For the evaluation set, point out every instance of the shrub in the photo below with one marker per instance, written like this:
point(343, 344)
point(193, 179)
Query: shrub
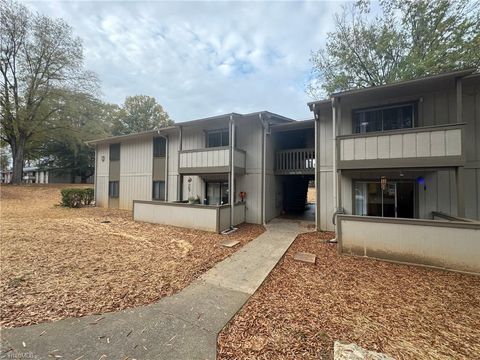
point(88, 196)
point(75, 198)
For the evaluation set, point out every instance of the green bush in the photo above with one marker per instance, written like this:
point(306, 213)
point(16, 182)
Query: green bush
point(75, 198)
point(88, 196)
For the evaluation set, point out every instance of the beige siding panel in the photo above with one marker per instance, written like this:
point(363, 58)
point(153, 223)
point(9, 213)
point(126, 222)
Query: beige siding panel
point(251, 183)
point(423, 144)
point(101, 174)
point(371, 148)
point(326, 201)
point(239, 214)
point(383, 147)
point(101, 189)
point(359, 146)
point(136, 161)
point(437, 143)
point(409, 146)
point(396, 146)
point(348, 149)
point(453, 142)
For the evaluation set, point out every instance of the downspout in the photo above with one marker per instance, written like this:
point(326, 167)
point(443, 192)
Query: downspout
point(166, 163)
point(95, 175)
point(336, 187)
point(334, 167)
point(180, 177)
point(264, 168)
point(317, 168)
point(232, 171)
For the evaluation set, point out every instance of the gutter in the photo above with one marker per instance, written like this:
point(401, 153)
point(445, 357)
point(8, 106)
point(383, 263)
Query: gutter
point(265, 131)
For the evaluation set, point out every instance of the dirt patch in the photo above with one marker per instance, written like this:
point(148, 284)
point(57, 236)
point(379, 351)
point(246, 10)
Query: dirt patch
point(404, 311)
point(58, 262)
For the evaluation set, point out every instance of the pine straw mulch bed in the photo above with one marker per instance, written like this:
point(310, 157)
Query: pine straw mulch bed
point(404, 311)
point(58, 262)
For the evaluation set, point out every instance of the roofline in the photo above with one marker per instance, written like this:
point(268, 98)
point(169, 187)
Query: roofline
point(111, 139)
point(129, 136)
point(456, 73)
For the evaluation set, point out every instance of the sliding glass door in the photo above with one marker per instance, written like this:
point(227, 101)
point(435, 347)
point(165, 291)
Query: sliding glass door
point(395, 200)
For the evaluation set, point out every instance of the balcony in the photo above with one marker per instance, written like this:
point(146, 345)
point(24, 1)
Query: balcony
point(432, 146)
point(295, 162)
point(214, 160)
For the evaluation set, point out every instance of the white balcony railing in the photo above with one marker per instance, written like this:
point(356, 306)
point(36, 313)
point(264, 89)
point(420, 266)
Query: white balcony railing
point(295, 162)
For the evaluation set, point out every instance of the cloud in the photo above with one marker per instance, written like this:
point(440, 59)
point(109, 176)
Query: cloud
point(201, 58)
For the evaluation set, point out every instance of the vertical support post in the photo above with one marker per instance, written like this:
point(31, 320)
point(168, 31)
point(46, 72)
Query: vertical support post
point(232, 171)
point(459, 177)
point(316, 157)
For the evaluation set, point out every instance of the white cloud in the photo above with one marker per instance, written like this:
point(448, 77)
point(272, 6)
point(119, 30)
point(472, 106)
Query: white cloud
point(201, 58)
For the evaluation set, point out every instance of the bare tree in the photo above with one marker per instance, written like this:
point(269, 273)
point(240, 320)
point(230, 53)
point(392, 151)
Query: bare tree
point(40, 61)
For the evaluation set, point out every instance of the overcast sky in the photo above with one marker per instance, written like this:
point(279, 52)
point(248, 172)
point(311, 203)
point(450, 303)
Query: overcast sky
point(200, 59)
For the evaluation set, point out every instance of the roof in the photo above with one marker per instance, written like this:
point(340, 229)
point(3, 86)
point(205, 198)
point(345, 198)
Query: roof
point(398, 85)
point(294, 125)
point(272, 117)
point(112, 139)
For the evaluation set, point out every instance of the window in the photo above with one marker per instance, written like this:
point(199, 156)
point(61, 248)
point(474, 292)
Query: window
point(114, 152)
point(158, 192)
point(217, 193)
point(113, 189)
point(216, 138)
point(384, 118)
point(159, 147)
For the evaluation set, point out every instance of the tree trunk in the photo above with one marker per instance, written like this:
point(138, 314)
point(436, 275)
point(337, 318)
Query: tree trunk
point(18, 152)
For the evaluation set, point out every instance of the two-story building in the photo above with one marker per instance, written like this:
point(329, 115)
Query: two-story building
point(406, 150)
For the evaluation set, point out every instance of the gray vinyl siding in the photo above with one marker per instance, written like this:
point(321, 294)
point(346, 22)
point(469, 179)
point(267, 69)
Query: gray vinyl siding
point(436, 106)
point(101, 174)
point(324, 171)
point(471, 115)
point(249, 138)
point(136, 160)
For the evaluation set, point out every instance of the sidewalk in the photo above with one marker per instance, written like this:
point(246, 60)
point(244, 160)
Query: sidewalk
point(183, 326)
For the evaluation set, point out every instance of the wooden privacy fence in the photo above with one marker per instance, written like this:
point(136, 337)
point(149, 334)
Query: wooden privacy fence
point(295, 162)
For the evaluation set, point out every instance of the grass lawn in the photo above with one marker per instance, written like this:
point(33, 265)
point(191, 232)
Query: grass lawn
point(404, 311)
point(58, 262)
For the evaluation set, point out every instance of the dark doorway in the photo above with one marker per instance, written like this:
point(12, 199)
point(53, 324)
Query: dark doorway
point(405, 200)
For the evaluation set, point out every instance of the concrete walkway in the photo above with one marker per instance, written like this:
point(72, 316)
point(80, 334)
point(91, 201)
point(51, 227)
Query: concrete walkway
point(183, 326)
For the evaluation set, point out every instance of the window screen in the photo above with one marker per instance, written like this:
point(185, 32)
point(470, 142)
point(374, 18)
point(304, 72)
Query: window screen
point(114, 152)
point(113, 189)
point(158, 190)
point(159, 147)
point(217, 138)
point(384, 119)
